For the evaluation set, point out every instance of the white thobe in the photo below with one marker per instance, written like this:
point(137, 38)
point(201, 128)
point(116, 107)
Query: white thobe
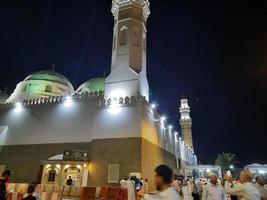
point(168, 194)
point(245, 191)
point(186, 192)
point(213, 192)
point(130, 188)
point(261, 190)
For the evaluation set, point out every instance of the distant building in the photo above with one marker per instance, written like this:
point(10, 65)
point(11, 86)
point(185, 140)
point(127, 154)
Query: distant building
point(186, 123)
point(258, 170)
point(99, 133)
point(203, 171)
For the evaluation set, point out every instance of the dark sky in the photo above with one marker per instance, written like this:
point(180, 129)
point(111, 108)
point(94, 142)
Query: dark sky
point(214, 53)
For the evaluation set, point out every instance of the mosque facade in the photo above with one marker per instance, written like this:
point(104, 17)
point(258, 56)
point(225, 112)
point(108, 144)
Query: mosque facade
point(99, 133)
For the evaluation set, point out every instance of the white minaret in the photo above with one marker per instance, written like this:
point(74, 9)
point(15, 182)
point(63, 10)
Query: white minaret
point(128, 69)
point(186, 123)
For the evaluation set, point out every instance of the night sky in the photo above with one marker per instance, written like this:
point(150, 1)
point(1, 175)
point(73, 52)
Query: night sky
point(214, 53)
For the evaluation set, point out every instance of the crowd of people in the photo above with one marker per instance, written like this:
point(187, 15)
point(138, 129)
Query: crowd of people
point(211, 188)
point(169, 188)
point(4, 180)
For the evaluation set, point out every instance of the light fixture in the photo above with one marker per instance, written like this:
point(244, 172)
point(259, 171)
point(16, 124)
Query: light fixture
point(117, 93)
point(261, 172)
point(180, 138)
point(18, 106)
point(68, 101)
point(231, 166)
point(115, 107)
point(66, 166)
point(208, 170)
point(163, 118)
point(170, 127)
point(153, 105)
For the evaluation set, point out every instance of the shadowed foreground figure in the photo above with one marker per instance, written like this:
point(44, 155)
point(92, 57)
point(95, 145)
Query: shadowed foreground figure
point(163, 180)
point(3, 180)
point(30, 192)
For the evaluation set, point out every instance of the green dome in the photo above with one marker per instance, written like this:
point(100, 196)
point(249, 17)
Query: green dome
point(93, 85)
point(49, 75)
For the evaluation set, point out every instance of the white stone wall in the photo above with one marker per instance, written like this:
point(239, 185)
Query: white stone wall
point(81, 121)
point(85, 120)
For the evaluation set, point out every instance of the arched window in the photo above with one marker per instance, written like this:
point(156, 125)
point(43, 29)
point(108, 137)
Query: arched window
point(52, 175)
point(123, 36)
point(48, 88)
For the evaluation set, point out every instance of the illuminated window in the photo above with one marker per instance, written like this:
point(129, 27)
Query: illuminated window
point(48, 88)
point(24, 88)
point(52, 175)
point(113, 173)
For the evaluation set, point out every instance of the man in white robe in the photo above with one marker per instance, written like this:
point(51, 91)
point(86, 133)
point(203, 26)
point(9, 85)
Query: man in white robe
point(213, 190)
point(127, 184)
point(244, 191)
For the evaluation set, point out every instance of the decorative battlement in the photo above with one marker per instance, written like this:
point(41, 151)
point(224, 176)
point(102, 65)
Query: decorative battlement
point(144, 4)
point(78, 97)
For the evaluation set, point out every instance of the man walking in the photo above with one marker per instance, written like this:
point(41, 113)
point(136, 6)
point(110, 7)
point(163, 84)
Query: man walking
point(163, 179)
point(213, 191)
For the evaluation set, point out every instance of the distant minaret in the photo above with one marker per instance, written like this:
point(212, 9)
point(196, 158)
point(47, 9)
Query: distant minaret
point(186, 123)
point(128, 66)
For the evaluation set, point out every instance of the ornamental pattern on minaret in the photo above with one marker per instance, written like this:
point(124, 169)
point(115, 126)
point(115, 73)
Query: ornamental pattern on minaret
point(143, 4)
point(129, 49)
point(129, 38)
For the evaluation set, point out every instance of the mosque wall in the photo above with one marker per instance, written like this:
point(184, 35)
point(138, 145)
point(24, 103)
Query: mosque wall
point(123, 151)
point(49, 123)
point(131, 135)
point(152, 156)
point(25, 160)
point(79, 121)
point(156, 131)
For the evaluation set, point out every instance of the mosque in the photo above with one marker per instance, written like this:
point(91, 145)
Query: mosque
point(101, 132)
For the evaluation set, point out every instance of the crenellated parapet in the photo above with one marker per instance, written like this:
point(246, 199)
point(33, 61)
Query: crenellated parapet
point(143, 4)
point(78, 97)
point(123, 101)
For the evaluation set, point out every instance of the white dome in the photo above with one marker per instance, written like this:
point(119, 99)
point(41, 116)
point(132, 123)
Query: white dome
point(43, 83)
point(93, 85)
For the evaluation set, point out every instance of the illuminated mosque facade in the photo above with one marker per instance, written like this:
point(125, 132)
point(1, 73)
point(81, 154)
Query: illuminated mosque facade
point(100, 132)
